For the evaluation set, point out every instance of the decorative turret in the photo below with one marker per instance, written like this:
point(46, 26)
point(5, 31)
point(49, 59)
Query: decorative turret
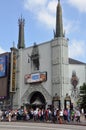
point(59, 22)
point(21, 33)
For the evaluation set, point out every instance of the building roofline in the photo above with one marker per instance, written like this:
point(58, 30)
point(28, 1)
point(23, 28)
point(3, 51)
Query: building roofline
point(73, 61)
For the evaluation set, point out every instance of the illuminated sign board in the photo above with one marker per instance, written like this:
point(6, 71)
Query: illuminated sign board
point(3, 65)
point(36, 77)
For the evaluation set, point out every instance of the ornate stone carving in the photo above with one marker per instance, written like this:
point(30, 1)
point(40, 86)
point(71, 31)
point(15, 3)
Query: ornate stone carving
point(35, 57)
point(39, 88)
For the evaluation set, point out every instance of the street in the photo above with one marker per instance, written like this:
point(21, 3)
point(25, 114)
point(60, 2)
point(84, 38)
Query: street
point(38, 126)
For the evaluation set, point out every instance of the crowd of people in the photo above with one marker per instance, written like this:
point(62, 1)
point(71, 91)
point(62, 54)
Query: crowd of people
point(43, 115)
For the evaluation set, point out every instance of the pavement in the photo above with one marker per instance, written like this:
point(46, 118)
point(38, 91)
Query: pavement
point(81, 123)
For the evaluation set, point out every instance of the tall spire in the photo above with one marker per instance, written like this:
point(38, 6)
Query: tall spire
point(21, 33)
point(59, 22)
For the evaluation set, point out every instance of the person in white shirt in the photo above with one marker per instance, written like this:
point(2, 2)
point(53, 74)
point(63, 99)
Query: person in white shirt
point(78, 115)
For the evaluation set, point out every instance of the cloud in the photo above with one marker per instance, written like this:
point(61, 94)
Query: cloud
point(79, 4)
point(77, 49)
point(46, 18)
point(51, 6)
point(34, 5)
point(71, 26)
point(44, 11)
point(2, 50)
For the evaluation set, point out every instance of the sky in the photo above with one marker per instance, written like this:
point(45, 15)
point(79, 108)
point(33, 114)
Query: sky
point(40, 18)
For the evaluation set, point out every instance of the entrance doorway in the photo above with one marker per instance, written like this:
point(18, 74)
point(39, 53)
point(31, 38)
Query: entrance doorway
point(37, 100)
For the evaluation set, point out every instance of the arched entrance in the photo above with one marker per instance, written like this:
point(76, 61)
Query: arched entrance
point(37, 100)
point(36, 91)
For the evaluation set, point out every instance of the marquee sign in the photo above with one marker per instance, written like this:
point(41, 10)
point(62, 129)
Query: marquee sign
point(36, 77)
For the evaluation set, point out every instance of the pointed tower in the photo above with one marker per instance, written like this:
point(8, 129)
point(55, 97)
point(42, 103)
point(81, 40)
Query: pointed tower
point(21, 33)
point(59, 51)
point(59, 22)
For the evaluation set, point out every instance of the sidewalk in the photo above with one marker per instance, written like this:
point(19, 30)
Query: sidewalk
point(82, 122)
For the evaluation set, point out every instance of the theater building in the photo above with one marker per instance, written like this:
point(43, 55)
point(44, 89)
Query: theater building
point(43, 75)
